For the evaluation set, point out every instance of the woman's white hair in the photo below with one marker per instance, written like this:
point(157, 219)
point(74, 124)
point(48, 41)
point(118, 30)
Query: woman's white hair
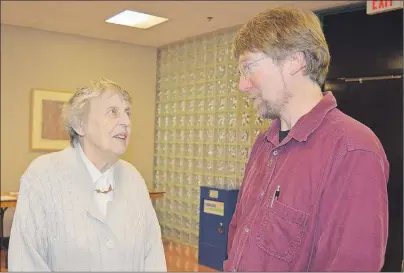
point(74, 111)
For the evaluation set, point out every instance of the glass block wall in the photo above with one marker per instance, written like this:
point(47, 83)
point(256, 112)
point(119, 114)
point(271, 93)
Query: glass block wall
point(204, 129)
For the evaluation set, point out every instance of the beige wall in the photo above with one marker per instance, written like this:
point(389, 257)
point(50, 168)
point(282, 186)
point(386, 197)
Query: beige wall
point(40, 59)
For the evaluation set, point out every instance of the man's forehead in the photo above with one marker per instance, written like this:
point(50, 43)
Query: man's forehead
point(249, 56)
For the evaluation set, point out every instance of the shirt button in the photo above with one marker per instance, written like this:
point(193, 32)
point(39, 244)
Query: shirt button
point(275, 153)
point(110, 243)
point(262, 194)
point(246, 229)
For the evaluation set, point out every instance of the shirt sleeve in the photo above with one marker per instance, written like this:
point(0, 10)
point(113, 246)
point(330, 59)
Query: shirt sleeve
point(353, 219)
point(28, 247)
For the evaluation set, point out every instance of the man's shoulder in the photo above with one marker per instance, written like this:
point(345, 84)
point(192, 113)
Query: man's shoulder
point(351, 133)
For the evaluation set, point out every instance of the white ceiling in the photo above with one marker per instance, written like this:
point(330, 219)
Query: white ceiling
point(186, 18)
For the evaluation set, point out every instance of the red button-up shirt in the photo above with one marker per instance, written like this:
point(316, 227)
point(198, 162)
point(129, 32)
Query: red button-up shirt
point(331, 213)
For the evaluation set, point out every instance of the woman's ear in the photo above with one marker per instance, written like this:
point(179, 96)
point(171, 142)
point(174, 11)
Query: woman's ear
point(78, 126)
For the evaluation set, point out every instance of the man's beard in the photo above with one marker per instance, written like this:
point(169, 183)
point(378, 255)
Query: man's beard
point(272, 110)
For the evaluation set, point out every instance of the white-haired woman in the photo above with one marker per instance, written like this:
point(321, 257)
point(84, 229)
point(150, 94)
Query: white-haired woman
point(83, 209)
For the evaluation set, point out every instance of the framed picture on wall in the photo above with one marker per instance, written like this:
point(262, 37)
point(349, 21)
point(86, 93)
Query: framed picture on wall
point(47, 131)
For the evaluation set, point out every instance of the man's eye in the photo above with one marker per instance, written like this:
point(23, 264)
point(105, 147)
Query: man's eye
point(113, 111)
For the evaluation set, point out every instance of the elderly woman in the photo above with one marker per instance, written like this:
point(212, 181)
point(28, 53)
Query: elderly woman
point(83, 209)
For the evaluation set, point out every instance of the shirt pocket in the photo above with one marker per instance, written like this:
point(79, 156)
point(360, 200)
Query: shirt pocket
point(281, 230)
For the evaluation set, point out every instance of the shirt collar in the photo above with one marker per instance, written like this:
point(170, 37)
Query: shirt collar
point(307, 124)
point(95, 173)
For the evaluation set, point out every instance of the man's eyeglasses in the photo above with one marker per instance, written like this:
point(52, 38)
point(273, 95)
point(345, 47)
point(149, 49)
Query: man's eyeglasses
point(245, 68)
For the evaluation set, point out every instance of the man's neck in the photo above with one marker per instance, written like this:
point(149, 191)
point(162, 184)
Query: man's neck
point(303, 101)
point(101, 161)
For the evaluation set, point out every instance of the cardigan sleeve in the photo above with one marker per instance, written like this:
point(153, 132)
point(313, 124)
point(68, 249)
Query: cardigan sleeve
point(154, 252)
point(28, 245)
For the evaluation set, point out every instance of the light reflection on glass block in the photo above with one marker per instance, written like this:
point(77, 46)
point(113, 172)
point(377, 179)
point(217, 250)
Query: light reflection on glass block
point(245, 119)
point(220, 121)
point(200, 121)
point(221, 88)
point(221, 135)
point(208, 180)
point(246, 102)
point(243, 135)
point(232, 103)
point(232, 152)
point(199, 166)
point(208, 166)
point(221, 105)
point(220, 151)
point(191, 121)
point(210, 135)
point(210, 73)
point(210, 89)
point(221, 71)
point(198, 150)
point(210, 120)
point(211, 104)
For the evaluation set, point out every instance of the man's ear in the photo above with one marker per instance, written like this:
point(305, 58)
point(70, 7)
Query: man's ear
point(296, 62)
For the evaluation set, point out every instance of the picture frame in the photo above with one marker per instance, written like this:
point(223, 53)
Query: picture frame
point(47, 132)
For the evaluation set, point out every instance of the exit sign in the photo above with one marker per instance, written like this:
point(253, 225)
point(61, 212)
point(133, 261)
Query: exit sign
point(378, 6)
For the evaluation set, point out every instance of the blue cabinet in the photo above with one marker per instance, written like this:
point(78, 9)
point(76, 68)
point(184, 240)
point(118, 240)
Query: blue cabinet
point(217, 207)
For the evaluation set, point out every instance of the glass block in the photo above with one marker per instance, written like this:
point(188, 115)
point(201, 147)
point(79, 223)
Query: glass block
point(220, 70)
point(219, 167)
point(220, 151)
point(187, 191)
point(232, 152)
point(191, 108)
point(245, 103)
point(200, 121)
point(221, 120)
point(221, 87)
point(245, 119)
point(210, 102)
point(199, 91)
point(191, 136)
point(189, 165)
point(210, 121)
point(221, 54)
point(210, 135)
point(201, 105)
point(200, 135)
point(232, 119)
point(198, 150)
point(200, 75)
point(221, 135)
point(182, 121)
point(194, 224)
point(232, 72)
point(190, 121)
point(210, 89)
point(209, 181)
point(208, 166)
point(210, 57)
point(199, 165)
point(188, 150)
point(231, 168)
point(221, 104)
point(188, 179)
point(198, 180)
point(243, 135)
point(232, 103)
point(210, 73)
point(243, 153)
